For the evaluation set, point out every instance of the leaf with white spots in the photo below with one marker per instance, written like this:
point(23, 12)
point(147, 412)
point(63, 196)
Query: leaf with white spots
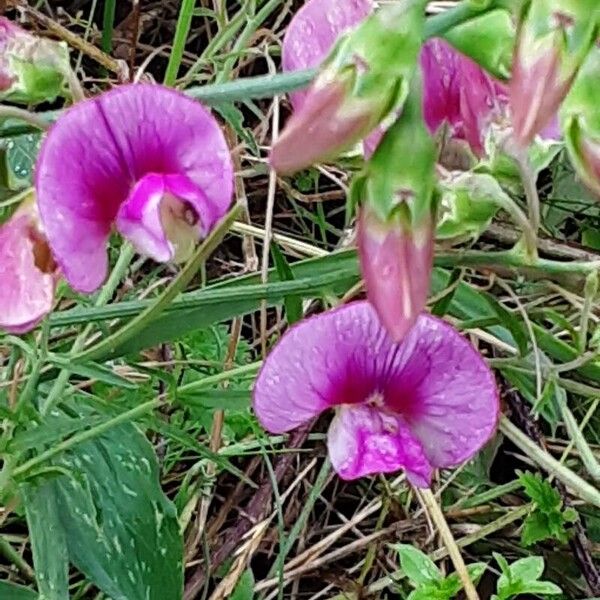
point(21, 152)
point(121, 531)
point(48, 542)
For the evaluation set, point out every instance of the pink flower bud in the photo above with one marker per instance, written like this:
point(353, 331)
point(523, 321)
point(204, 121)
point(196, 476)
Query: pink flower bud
point(553, 40)
point(396, 261)
point(320, 129)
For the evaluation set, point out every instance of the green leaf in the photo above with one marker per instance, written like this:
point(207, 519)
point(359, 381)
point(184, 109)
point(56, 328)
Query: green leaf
point(12, 591)
point(417, 566)
point(92, 370)
point(540, 491)
point(527, 569)
point(21, 153)
point(244, 590)
point(293, 304)
point(535, 529)
point(543, 588)
point(548, 520)
point(120, 529)
point(48, 540)
point(452, 583)
point(511, 322)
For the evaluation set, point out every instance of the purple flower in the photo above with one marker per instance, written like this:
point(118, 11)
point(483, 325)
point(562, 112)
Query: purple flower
point(144, 158)
point(27, 273)
point(428, 402)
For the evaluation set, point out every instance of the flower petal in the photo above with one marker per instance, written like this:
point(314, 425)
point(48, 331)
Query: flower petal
point(26, 292)
point(313, 31)
point(363, 440)
point(139, 219)
point(323, 361)
point(151, 225)
point(454, 404)
point(80, 181)
point(110, 143)
point(396, 262)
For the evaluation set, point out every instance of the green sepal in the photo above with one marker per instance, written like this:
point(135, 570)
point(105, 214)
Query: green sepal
point(399, 179)
point(376, 61)
point(489, 40)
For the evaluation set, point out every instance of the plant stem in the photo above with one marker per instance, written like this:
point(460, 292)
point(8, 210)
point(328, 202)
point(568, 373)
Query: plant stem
point(13, 112)
point(579, 486)
point(85, 436)
point(104, 296)
point(108, 22)
point(533, 203)
point(437, 516)
point(184, 22)
point(109, 344)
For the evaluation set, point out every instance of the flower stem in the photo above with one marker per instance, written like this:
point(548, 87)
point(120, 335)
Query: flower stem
point(533, 203)
point(579, 486)
point(437, 516)
point(109, 344)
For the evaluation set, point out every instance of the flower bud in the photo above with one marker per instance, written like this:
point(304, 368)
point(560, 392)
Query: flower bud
point(396, 220)
point(554, 37)
point(396, 261)
point(580, 117)
point(361, 82)
point(32, 69)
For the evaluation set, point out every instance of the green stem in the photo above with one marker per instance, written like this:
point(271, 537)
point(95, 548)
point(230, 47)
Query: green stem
point(219, 377)
point(184, 22)
point(579, 486)
point(108, 23)
point(84, 436)
point(109, 344)
point(576, 434)
point(33, 119)
point(245, 36)
point(104, 296)
point(512, 259)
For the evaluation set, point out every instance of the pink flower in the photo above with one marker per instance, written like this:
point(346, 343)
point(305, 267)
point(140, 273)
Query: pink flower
point(144, 158)
point(8, 32)
point(309, 37)
point(27, 273)
point(358, 86)
point(428, 402)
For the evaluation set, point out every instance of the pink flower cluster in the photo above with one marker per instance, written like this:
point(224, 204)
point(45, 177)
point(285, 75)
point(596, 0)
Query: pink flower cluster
point(145, 161)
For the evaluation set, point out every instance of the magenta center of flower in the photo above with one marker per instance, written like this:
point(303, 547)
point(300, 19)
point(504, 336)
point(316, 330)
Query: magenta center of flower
point(164, 217)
